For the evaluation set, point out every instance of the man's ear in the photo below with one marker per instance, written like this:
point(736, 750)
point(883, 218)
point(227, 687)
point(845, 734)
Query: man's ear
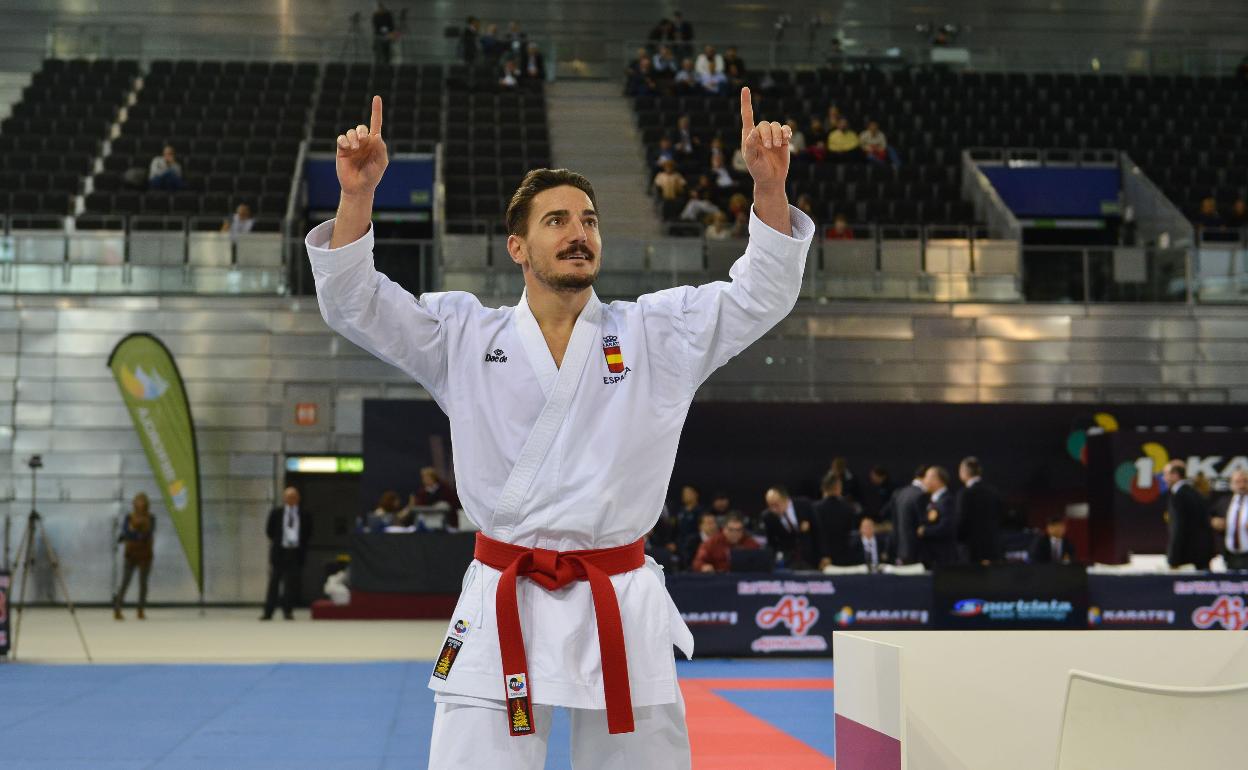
point(515, 248)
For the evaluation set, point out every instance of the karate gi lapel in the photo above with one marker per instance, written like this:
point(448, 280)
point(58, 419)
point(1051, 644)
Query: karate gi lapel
point(559, 384)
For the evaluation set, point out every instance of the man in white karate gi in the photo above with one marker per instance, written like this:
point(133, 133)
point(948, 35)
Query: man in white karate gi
point(565, 415)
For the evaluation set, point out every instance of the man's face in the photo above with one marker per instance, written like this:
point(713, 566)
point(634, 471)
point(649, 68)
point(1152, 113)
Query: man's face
point(1239, 483)
point(683, 123)
point(708, 526)
point(290, 496)
point(689, 496)
point(1173, 476)
point(429, 478)
point(562, 247)
point(964, 473)
point(1056, 529)
point(932, 482)
point(842, 124)
point(168, 154)
point(720, 504)
point(866, 527)
point(873, 126)
point(733, 532)
point(776, 502)
point(243, 211)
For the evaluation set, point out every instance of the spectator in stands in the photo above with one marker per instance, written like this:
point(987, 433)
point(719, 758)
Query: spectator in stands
point(388, 513)
point(384, 34)
point(687, 143)
point(707, 189)
point(905, 508)
point(978, 515)
point(840, 230)
point(738, 162)
point(869, 547)
point(734, 77)
point(137, 530)
point(666, 151)
point(642, 83)
point(731, 58)
point(517, 40)
point(806, 205)
point(240, 223)
point(289, 529)
point(433, 491)
point(534, 65)
point(721, 504)
point(1232, 520)
point(797, 142)
point(1208, 216)
point(708, 528)
point(1053, 547)
point(1187, 517)
point(721, 176)
point(936, 533)
point(834, 519)
point(491, 45)
point(714, 81)
point(832, 117)
point(165, 173)
point(686, 80)
point(634, 66)
point(717, 148)
point(874, 143)
point(715, 555)
point(816, 147)
point(682, 31)
point(670, 184)
point(469, 40)
point(690, 511)
point(842, 141)
point(739, 212)
point(698, 208)
point(789, 524)
point(718, 228)
point(1239, 214)
point(664, 62)
point(511, 74)
point(709, 61)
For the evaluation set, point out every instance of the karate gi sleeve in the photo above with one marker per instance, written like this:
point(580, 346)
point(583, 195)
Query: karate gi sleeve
point(377, 314)
point(723, 318)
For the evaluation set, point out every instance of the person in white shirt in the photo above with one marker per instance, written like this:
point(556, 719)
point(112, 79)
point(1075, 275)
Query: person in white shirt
point(697, 209)
point(709, 61)
point(565, 416)
point(1233, 523)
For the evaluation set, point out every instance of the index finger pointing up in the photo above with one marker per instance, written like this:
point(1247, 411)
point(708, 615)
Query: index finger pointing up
point(374, 124)
point(747, 111)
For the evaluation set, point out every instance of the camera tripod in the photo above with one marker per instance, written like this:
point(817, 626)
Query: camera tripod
point(25, 560)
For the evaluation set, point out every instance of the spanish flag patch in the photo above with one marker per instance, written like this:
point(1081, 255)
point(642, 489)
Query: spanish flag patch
point(615, 358)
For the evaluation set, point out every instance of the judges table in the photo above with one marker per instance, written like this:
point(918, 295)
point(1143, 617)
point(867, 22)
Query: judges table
point(412, 563)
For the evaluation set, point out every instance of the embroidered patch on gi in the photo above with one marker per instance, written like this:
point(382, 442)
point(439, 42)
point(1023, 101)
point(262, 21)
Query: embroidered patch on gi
point(611, 349)
point(496, 356)
point(460, 628)
point(517, 686)
point(519, 709)
point(446, 658)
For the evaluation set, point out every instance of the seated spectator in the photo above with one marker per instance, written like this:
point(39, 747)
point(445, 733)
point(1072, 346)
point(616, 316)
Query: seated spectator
point(806, 205)
point(240, 223)
point(665, 152)
point(842, 141)
point(511, 74)
point(709, 61)
point(708, 528)
point(491, 46)
point(816, 149)
point(721, 176)
point(739, 211)
point(664, 30)
point(840, 230)
point(534, 64)
point(731, 58)
point(866, 546)
point(1208, 216)
point(670, 184)
point(1239, 214)
point(707, 189)
point(664, 62)
point(717, 148)
point(388, 513)
point(165, 173)
point(738, 162)
point(1053, 547)
point(715, 554)
point(797, 142)
point(686, 80)
point(634, 66)
point(687, 143)
point(874, 143)
point(517, 39)
point(713, 82)
point(833, 116)
point(734, 77)
point(698, 208)
point(642, 82)
point(434, 493)
point(718, 228)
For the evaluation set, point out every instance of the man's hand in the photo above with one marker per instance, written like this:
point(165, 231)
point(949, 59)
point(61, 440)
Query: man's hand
point(360, 161)
point(1218, 523)
point(765, 148)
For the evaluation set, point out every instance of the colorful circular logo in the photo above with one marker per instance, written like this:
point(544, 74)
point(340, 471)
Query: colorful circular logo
point(845, 617)
point(1094, 616)
point(1142, 477)
point(1077, 440)
point(969, 608)
point(461, 626)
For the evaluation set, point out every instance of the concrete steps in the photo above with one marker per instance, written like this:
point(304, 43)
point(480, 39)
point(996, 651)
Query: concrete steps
point(11, 85)
point(592, 132)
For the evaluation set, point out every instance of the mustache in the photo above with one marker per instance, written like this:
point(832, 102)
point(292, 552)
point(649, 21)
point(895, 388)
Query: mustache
point(579, 248)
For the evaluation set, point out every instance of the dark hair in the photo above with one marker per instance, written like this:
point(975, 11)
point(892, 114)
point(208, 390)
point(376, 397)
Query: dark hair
point(880, 470)
point(831, 480)
point(972, 466)
point(920, 471)
point(536, 181)
point(702, 516)
point(734, 517)
point(1056, 518)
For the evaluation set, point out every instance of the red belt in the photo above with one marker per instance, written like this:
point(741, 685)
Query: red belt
point(553, 570)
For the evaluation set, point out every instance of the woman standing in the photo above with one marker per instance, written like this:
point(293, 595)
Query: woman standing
point(136, 533)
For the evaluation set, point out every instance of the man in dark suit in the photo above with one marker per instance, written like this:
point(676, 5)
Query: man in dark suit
point(1191, 535)
point(789, 524)
point(1053, 547)
point(869, 548)
point(708, 527)
point(978, 514)
point(834, 521)
point(938, 545)
point(905, 509)
point(289, 529)
point(1232, 521)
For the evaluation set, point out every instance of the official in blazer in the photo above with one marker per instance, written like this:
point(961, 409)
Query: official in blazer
point(289, 528)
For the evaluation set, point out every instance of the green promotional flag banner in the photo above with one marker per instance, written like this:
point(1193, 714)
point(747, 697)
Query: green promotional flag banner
point(152, 388)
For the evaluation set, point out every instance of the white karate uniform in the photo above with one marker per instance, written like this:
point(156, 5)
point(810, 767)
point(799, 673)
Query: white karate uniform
point(563, 458)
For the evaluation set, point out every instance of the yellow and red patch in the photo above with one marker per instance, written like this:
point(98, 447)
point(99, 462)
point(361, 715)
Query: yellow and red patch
point(615, 358)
